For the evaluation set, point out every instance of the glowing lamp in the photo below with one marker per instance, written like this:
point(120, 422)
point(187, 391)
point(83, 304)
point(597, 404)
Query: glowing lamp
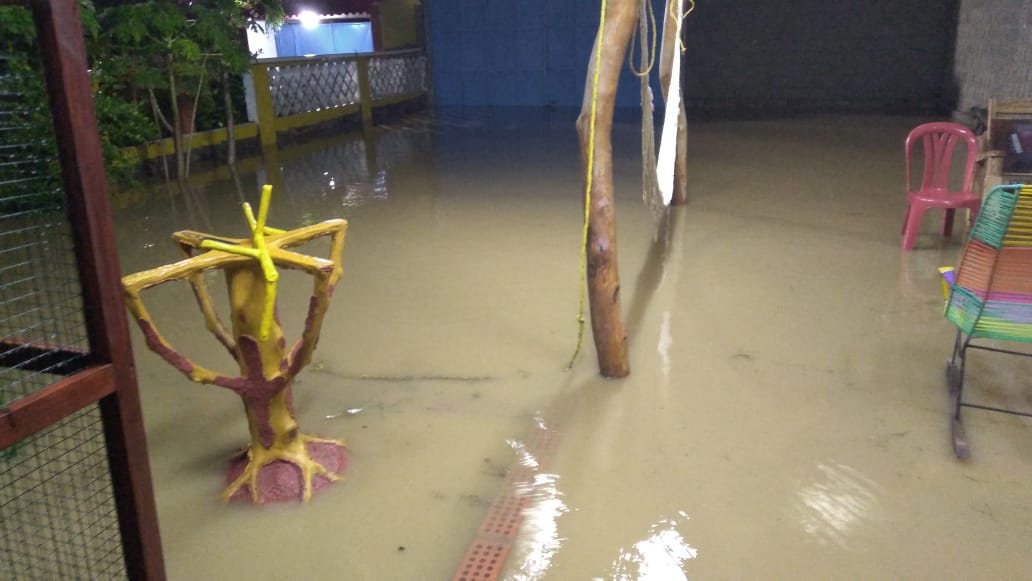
point(309, 19)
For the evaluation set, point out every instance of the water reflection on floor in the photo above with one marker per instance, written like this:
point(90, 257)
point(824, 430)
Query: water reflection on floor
point(786, 412)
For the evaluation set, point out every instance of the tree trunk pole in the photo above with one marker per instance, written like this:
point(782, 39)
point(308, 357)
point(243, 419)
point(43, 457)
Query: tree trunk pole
point(666, 57)
point(177, 124)
point(603, 277)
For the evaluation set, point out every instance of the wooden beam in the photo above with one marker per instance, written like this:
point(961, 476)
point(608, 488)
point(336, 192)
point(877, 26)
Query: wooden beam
point(32, 413)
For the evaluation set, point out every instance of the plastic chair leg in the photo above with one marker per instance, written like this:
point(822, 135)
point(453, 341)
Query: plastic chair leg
point(947, 223)
point(912, 225)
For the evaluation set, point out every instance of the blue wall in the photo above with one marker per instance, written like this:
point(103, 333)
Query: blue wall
point(327, 38)
point(742, 55)
point(531, 52)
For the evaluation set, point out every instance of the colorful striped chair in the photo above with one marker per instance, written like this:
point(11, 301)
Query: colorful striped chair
point(991, 295)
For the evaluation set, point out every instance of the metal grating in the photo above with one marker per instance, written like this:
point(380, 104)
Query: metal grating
point(57, 508)
point(42, 329)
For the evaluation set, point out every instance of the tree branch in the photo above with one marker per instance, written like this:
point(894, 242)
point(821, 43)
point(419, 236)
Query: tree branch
point(157, 111)
point(193, 115)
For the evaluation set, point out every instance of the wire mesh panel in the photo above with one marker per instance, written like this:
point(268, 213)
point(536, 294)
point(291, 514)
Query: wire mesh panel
point(42, 328)
point(58, 512)
point(57, 508)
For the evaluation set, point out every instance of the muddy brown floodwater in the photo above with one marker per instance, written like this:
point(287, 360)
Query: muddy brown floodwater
point(786, 412)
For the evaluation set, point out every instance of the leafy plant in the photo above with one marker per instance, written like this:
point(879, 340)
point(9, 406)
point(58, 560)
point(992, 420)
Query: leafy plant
point(175, 53)
point(24, 96)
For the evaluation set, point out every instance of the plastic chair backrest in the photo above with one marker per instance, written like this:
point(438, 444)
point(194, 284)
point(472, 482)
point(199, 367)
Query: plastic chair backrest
point(992, 294)
point(939, 140)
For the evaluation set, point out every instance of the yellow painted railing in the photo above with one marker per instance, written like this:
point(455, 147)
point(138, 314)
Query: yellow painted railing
point(198, 140)
point(299, 92)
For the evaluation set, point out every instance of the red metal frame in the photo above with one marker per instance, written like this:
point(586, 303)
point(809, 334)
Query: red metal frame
point(111, 379)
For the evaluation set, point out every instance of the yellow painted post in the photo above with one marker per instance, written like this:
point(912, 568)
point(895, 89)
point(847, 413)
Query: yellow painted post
point(365, 94)
point(263, 103)
point(273, 167)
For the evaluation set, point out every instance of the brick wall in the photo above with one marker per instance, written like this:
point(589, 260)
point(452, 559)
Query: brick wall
point(743, 55)
point(994, 51)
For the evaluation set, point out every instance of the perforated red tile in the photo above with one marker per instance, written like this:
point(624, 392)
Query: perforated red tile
point(504, 517)
point(542, 442)
point(518, 475)
point(483, 561)
point(486, 554)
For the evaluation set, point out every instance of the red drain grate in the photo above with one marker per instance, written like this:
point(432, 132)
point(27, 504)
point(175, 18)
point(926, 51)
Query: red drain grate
point(483, 561)
point(504, 517)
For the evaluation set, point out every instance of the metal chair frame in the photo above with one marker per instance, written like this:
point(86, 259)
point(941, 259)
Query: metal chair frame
point(955, 367)
point(955, 383)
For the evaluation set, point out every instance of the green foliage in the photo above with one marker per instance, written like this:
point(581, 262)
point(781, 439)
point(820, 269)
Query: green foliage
point(122, 127)
point(166, 49)
point(135, 49)
point(120, 123)
point(30, 173)
point(141, 42)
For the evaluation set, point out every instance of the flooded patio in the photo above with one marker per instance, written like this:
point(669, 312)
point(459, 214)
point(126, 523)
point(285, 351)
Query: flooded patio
point(785, 416)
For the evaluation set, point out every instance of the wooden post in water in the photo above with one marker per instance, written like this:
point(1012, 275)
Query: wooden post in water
point(603, 277)
point(671, 43)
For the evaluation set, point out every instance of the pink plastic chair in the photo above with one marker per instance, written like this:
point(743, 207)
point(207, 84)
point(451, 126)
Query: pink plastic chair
point(938, 141)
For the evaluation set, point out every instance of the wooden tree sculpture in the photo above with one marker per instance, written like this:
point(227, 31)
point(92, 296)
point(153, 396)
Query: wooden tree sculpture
point(281, 463)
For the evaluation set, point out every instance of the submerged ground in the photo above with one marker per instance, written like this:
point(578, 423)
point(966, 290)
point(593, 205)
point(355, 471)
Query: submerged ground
point(786, 413)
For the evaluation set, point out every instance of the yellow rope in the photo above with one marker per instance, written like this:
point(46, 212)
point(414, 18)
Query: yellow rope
point(691, 7)
point(652, 56)
point(587, 192)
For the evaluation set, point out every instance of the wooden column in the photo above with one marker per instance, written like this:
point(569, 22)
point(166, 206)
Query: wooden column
point(669, 45)
point(603, 276)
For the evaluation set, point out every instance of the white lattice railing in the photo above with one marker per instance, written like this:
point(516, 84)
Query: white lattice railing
point(295, 92)
point(314, 85)
point(397, 75)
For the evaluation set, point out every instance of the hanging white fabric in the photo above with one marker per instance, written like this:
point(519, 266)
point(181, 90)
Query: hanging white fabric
point(668, 139)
